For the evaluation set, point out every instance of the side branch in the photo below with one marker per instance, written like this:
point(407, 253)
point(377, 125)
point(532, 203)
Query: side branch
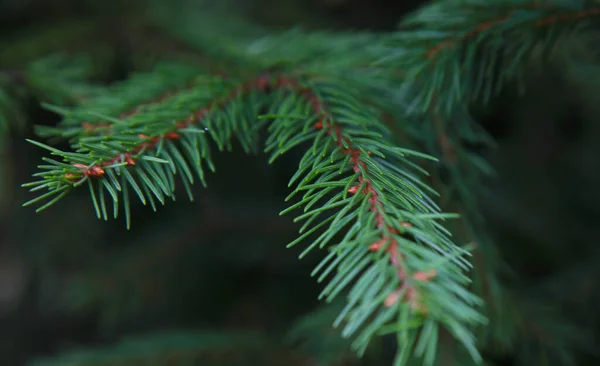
point(473, 50)
point(365, 186)
point(561, 16)
point(397, 258)
point(147, 143)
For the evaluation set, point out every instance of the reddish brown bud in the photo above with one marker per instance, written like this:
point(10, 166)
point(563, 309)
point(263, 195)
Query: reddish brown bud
point(353, 189)
point(412, 296)
point(172, 135)
point(72, 177)
point(95, 171)
point(425, 276)
point(129, 160)
point(377, 245)
point(392, 298)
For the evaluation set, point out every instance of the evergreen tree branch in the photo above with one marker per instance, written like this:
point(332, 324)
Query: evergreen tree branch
point(468, 52)
point(122, 100)
point(105, 156)
point(461, 51)
point(408, 276)
point(389, 221)
point(356, 183)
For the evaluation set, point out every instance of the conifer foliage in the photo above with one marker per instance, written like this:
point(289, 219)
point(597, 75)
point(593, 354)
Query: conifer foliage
point(363, 192)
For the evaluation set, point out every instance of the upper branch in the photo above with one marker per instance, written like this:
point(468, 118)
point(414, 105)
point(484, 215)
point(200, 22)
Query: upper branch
point(466, 50)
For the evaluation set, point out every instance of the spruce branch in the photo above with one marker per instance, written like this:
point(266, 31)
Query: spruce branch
point(405, 274)
point(122, 100)
point(149, 142)
point(464, 51)
point(398, 256)
point(454, 53)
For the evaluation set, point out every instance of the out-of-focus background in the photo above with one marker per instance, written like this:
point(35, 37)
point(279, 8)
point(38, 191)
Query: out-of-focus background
point(68, 280)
